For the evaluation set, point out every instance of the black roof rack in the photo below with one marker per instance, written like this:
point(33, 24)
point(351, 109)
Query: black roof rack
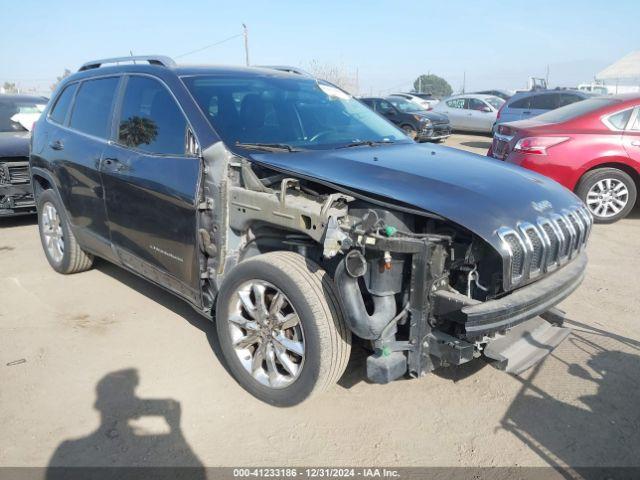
point(160, 60)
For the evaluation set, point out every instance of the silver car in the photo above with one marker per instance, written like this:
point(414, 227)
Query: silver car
point(472, 112)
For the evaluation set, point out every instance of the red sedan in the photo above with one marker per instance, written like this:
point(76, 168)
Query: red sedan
point(591, 147)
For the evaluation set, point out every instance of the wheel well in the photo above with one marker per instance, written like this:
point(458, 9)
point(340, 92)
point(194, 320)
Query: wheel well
point(632, 172)
point(40, 184)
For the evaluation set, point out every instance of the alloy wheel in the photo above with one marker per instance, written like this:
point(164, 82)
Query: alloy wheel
point(607, 197)
point(52, 232)
point(266, 333)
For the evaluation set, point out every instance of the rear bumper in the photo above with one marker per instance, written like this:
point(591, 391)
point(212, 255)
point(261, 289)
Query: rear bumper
point(524, 303)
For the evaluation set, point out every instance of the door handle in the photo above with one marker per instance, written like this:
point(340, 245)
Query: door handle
point(56, 145)
point(115, 164)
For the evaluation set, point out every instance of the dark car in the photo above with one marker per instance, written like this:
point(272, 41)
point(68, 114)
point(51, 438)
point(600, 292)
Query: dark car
point(296, 217)
point(525, 105)
point(419, 124)
point(17, 114)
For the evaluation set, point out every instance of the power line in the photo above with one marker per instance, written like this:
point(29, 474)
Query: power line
point(209, 46)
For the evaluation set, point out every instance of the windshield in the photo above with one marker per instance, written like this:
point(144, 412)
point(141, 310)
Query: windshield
point(495, 102)
point(298, 112)
point(19, 115)
point(574, 110)
point(405, 105)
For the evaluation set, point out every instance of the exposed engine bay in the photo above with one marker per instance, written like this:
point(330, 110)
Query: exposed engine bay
point(409, 280)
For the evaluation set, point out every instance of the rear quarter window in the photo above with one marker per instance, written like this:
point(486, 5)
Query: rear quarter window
point(544, 102)
point(61, 107)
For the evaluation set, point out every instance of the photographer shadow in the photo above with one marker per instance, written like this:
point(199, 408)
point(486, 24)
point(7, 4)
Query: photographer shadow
point(124, 439)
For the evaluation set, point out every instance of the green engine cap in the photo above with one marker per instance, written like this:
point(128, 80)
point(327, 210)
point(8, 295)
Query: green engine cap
point(390, 231)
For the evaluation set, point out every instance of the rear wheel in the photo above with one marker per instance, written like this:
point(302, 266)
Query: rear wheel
point(608, 193)
point(58, 242)
point(281, 328)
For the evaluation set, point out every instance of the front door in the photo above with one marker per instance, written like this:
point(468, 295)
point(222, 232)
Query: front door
point(151, 188)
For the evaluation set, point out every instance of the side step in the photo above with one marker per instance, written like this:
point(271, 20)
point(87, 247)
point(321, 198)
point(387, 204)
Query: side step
point(525, 345)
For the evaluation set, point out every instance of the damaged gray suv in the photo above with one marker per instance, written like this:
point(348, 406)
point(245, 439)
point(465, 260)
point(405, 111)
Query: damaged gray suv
point(284, 209)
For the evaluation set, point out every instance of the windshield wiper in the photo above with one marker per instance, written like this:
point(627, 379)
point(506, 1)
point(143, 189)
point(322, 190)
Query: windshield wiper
point(268, 147)
point(370, 143)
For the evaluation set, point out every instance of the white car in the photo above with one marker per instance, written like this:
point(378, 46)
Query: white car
point(423, 100)
point(472, 112)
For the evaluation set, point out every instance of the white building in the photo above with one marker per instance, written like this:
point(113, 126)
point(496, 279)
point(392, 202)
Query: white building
point(622, 76)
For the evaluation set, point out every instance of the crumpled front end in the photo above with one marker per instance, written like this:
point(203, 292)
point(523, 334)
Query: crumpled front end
point(16, 192)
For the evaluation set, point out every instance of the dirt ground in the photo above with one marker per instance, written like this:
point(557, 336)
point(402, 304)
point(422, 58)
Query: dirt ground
point(102, 368)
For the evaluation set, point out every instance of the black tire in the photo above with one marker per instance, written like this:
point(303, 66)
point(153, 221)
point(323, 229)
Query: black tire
point(411, 132)
point(591, 178)
point(73, 259)
point(312, 294)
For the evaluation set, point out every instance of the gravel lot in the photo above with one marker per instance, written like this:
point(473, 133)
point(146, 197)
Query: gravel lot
point(102, 368)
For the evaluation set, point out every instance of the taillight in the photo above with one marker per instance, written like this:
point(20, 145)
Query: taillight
point(500, 110)
point(537, 145)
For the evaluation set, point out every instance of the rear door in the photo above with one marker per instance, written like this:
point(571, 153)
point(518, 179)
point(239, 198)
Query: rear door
point(456, 111)
point(151, 187)
point(543, 102)
point(76, 141)
point(515, 110)
point(631, 137)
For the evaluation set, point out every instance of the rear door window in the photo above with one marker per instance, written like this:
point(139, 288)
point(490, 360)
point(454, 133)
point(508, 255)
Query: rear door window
point(456, 103)
point(92, 108)
point(568, 99)
point(59, 111)
point(521, 103)
point(545, 102)
point(150, 119)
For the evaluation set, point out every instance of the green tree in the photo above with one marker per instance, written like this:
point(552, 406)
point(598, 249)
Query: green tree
point(64, 75)
point(10, 87)
point(433, 84)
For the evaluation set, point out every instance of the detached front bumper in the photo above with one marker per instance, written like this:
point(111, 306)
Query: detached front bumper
point(434, 133)
point(16, 198)
point(526, 302)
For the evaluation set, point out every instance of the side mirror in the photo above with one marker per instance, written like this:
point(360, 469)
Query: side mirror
point(391, 112)
point(486, 110)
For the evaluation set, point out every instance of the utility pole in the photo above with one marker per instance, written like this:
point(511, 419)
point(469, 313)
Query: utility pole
point(246, 44)
point(547, 77)
point(464, 80)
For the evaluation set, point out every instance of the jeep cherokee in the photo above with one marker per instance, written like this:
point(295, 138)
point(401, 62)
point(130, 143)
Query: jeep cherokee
point(296, 217)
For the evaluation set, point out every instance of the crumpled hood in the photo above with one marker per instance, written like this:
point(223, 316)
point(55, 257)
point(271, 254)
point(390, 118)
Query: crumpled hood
point(14, 144)
point(435, 117)
point(476, 192)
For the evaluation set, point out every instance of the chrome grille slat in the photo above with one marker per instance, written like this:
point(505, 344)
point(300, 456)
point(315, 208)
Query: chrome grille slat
point(535, 249)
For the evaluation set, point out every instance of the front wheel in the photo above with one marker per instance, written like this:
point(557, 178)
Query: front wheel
point(281, 328)
point(608, 193)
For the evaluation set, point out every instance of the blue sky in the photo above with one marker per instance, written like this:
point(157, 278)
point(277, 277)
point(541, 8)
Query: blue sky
point(498, 44)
